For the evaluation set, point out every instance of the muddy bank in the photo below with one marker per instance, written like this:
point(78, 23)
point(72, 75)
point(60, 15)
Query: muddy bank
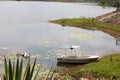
point(110, 18)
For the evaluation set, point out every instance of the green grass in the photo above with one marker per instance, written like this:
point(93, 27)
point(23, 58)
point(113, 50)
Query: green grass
point(107, 67)
point(91, 24)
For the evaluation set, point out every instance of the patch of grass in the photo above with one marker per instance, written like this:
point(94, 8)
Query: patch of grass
point(107, 67)
point(91, 24)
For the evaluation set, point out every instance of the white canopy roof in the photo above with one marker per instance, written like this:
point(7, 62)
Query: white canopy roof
point(70, 47)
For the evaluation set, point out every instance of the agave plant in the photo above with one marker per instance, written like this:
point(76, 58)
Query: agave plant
point(14, 70)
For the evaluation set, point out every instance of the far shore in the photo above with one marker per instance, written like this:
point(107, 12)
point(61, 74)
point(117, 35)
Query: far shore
point(107, 24)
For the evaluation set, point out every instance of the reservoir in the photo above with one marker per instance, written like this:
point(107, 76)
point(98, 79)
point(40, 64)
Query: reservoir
point(24, 27)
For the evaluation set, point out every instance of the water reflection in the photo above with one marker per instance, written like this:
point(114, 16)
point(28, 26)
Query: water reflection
point(118, 42)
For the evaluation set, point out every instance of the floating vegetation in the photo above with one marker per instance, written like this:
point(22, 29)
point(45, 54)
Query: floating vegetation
point(35, 56)
point(82, 36)
point(1, 62)
point(47, 43)
point(4, 48)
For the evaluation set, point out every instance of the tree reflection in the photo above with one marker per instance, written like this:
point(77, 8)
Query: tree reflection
point(118, 42)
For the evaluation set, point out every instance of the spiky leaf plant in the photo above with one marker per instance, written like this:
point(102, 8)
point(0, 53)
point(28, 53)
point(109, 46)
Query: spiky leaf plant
point(14, 70)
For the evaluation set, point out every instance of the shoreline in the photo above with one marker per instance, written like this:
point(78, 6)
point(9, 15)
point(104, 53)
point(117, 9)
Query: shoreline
point(107, 68)
point(97, 23)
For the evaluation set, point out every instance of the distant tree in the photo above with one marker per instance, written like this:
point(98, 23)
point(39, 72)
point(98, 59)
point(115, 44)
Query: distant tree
point(117, 5)
point(87, 0)
point(113, 3)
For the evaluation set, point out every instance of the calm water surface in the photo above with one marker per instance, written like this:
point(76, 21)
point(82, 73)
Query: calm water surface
point(24, 27)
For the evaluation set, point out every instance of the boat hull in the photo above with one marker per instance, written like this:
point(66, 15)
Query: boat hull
point(81, 60)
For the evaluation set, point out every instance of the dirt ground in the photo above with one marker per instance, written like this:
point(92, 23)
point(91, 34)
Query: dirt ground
point(110, 18)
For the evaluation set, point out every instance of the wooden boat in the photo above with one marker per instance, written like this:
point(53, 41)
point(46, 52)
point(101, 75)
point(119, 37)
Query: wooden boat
point(76, 59)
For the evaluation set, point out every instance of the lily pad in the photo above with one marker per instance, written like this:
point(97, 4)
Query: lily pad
point(82, 36)
point(4, 48)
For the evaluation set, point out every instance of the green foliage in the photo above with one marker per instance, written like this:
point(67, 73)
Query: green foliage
point(87, 0)
point(14, 71)
point(87, 23)
point(113, 3)
point(104, 68)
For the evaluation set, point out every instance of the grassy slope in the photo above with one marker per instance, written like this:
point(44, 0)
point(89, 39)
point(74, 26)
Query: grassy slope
point(107, 67)
point(114, 30)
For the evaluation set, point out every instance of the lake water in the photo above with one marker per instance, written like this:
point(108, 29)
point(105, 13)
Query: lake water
point(24, 27)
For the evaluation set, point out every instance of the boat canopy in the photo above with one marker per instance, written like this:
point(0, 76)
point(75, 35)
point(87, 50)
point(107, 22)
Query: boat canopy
point(70, 47)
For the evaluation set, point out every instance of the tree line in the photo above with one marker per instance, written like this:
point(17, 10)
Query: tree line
point(110, 3)
point(113, 3)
